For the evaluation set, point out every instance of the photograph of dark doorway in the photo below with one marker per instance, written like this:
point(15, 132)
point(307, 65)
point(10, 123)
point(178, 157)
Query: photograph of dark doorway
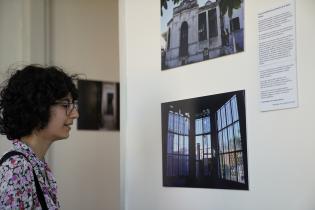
point(98, 105)
point(204, 142)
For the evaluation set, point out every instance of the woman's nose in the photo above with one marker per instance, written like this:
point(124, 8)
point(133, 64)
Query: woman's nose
point(74, 114)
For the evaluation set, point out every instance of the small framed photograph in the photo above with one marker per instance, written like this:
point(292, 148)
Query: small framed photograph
point(98, 105)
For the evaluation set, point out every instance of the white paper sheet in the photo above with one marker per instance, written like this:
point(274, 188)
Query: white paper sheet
point(277, 57)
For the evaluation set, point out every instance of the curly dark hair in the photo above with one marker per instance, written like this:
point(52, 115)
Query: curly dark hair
point(26, 98)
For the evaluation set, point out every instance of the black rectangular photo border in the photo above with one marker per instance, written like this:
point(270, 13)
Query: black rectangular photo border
point(220, 164)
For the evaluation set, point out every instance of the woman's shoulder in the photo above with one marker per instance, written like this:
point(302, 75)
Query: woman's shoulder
point(15, 166)
point(16, 185)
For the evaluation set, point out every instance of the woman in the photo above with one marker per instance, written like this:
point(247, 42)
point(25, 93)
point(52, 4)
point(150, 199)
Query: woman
point(37, 107)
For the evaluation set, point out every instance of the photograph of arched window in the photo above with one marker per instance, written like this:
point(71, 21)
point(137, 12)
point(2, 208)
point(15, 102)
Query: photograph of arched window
point(204, 142)
point(198, 30)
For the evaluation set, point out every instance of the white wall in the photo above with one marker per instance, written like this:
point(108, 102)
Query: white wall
point(280, 143)
point(11, 44)
point(22, 39)
point(84, 39)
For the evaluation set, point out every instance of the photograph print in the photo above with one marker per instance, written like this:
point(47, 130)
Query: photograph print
point(204, 142)
point(98, 105)
point(198, 30)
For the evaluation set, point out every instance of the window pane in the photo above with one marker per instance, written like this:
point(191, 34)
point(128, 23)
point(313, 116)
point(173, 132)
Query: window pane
point(178, 145)
point(228, 113)
point(170, 143)
point(182, 157)
point(233, 167)
point(223, 117)
point(170, 121)
point(235, 24)
point(198, 126)
point(206, 124)
point(202, 29)
point(181, 124)
point(207, 154)
point(175, 145)
point(205, 143)
point(227, 167)
point(220, 142)
point(234, 108)
point(219, 119)
point(186, 126)
point(240, 168)
point(181, 144)
point(222, 166)
point(199, 148)
point(176, 122)
point(213, 28)
point(225, 141)
point(237, 134)
point(231, 138)
point(186, 145)
point(207, 147)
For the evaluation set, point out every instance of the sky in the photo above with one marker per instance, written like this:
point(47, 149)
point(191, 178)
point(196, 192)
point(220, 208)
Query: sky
point(167, 14)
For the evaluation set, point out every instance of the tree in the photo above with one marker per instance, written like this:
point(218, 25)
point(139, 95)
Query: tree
point(164, 4)
point(227, 6)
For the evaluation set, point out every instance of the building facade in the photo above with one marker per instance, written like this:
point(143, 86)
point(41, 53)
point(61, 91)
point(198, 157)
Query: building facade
point(198, 33)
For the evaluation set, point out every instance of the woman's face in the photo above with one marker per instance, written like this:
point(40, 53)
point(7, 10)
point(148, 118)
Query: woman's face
point(61, 120)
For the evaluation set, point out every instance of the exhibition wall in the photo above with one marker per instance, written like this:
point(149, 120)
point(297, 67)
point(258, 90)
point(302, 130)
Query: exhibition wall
point(9, 53)
point(84, 39)
point(280, 143)
point(22, 40)
point(81, 37)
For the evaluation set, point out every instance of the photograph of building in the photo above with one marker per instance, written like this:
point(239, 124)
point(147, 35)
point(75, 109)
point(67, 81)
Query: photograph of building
point(204, 142)
point(198, 30)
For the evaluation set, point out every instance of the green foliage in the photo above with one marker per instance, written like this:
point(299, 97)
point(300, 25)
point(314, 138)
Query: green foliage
point(164, 4)
point(225, 5)
point(228, 6)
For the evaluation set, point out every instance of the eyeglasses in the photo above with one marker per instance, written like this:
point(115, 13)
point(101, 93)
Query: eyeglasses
point(68, 105)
